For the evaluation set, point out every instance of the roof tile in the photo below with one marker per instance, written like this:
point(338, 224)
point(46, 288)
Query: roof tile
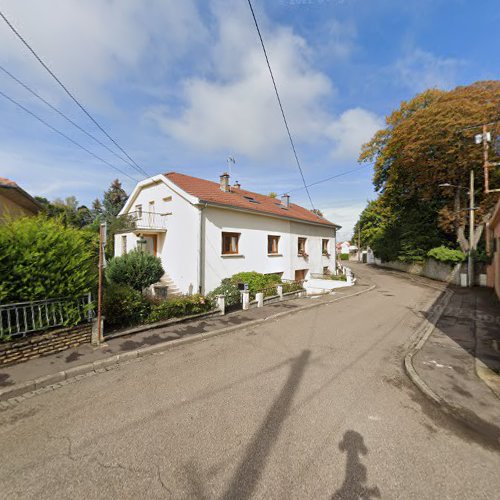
point(240, 198)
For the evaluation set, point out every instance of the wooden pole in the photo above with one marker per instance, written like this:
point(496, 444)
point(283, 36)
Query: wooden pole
point(486, 165)
point(471, 230)
point(99, 289)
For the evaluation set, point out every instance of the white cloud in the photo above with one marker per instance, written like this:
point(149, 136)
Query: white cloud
point(90, 43)
point(345, 216)
point(420, 70)
point(235, 109)
point(351, 130)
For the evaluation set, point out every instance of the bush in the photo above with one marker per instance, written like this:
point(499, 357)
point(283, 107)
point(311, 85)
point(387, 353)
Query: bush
point(177, 307)
point(136, 269)
point(344, 256)
point(257, 282)
point(229, 290)
point(41, 258)
point(447, 255)
point(338, 277)
point(124, 306)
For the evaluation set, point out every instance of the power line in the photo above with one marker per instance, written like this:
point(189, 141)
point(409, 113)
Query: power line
point(279, 102)
point(327, 179)
point(75, 100)
point(59, 112)
point(13, 101)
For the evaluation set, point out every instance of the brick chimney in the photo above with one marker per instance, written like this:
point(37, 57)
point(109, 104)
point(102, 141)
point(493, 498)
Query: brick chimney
point(285, 200)
point(236, 185)
point(224, 182)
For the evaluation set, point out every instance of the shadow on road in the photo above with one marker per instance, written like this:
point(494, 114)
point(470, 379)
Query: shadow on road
point(354, 485)
point(250, 469)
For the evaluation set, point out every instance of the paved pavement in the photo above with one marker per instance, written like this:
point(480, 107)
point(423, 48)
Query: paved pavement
point(313, 405)
point(465, 343)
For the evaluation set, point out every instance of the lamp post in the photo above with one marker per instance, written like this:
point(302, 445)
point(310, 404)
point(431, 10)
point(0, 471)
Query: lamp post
point(470, 257)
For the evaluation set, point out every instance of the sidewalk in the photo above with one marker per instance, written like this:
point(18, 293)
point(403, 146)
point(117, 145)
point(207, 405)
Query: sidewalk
point(460, 362)
point(85, 355)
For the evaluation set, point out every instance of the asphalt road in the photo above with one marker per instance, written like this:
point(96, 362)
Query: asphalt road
point(313, 405)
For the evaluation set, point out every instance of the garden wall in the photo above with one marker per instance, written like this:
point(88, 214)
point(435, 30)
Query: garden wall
point(35, 346)
point(431, 268)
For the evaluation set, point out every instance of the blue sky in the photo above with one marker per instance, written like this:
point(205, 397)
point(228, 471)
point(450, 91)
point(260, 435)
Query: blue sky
point(182, 85)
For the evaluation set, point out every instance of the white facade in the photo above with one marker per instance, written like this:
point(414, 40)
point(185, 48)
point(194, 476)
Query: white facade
point(186, 234)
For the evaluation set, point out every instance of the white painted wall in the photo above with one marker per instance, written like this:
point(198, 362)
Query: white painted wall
point(179, 246)
point(253, 254)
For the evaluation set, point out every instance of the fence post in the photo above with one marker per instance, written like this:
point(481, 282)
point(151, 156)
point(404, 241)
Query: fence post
point(260, 299)
point(89, 301)
point(221, 304)
point(279, 289)
point(245, 299)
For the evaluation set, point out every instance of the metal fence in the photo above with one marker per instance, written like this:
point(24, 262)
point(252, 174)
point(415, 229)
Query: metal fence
point(24, 318)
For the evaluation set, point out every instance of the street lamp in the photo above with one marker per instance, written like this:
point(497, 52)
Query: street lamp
point(470, 261)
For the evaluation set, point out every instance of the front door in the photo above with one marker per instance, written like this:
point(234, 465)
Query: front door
point(151, 243)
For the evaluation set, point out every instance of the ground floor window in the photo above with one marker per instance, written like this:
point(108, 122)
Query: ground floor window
point(124, 244)
point(300, 274)
point(301, 246)
point(272, 244)
point(326, 270)
point(230, 243)
point(324, 247)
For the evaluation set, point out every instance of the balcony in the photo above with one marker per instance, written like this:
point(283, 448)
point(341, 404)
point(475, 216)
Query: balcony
point(147, 221)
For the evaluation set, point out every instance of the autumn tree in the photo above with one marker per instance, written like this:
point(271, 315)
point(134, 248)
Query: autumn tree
point(427, 142)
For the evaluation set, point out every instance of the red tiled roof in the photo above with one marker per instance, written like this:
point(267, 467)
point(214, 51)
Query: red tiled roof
point(210, 192)
point(7, 182)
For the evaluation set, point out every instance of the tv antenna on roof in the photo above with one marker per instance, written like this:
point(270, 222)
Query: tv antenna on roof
point(230, 161)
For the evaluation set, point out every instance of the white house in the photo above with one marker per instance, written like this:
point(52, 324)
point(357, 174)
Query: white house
point(205, 231)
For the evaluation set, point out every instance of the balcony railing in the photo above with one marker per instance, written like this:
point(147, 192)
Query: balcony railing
point(148, 220)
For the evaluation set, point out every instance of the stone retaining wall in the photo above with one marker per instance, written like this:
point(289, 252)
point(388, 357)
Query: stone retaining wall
point(35, 346)
point(430, 269)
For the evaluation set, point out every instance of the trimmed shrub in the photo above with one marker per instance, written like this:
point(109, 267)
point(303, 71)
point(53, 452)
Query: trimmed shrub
point(177, 307)
point(229, 290)
point(344, 256)
point(41, 258)
point(447, 255)
point(124, 306)
point(257, 282)
point(338, 277)
point(136, 269)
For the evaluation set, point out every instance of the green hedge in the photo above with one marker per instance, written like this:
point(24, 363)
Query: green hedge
point(257, 282)
point(447, 255)
point(177, 307)
point(344, 256)
point(41, 258)
point(230, 291)
point(124, 306)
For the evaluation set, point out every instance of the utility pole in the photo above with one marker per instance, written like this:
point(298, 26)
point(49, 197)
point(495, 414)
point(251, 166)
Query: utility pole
point(102, 242)
point(359, 242)
point(470, 262)
point(486, 166)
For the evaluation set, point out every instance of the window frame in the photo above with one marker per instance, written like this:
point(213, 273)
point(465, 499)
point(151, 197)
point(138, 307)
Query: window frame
point(124, 244)
point(324, 248)
point(229, 234)
point(302, 252)
point(271, 238)
point(138, 210)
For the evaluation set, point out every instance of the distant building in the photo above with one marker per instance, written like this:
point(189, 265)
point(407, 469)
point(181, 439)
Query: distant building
point(206, 231)
point(15, 202)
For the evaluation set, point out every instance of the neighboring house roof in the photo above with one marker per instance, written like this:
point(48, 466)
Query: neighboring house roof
point(7, 182)
point(211, 193)
point(19, 195)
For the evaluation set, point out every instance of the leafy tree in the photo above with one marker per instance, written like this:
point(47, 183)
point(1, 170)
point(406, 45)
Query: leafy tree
point(317, 211)
point(426, 142)
point(42, 258)
point(114, 199)
point(136, 269)
point(272, 194)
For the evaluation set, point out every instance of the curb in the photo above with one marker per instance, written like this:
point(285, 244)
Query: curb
point(458, 413)
point(103, 364)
